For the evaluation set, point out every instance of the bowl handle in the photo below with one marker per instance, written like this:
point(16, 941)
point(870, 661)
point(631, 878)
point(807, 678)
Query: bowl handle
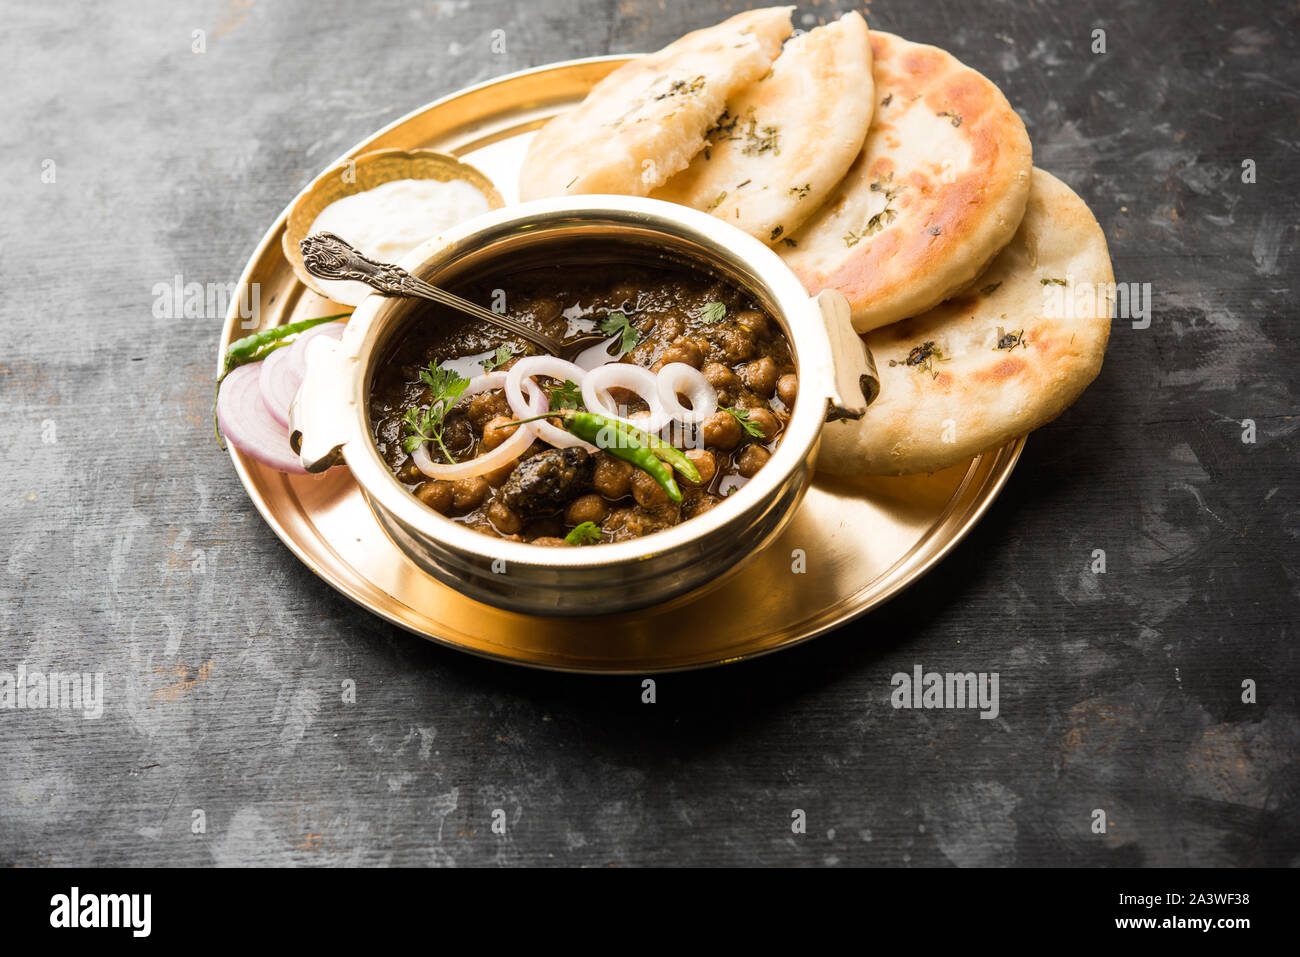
point(853, 381)
point(319, 414)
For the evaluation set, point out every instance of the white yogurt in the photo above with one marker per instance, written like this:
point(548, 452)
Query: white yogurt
point(387, 222)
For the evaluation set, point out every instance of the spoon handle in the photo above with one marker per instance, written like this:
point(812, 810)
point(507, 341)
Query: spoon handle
point(328, 257)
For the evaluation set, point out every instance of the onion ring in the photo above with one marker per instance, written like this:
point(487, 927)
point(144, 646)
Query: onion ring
point(526, 368)
point(678, 377)
point(511, 448)
point(553, 434)
point(634, 378)
point(485, 383)
point(520, 380)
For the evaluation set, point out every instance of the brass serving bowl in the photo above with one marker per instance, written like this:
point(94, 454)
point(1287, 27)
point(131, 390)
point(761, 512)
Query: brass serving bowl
point(361, 174)
point(329, 419)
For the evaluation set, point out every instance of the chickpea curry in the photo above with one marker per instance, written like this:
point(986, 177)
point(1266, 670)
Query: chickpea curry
point(681, 405)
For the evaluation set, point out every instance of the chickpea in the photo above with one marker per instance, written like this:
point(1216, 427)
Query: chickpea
point(754, 321)
point(699, 504)
point(641, 419)
point(641, 354)
point(766, 421)
point(726, 382)
point(469, 493)
point(669, 326)
point(586, 508)
point(495, 432)
point(759, 376)
point(684, 350)
point(752, 459)
point(485, 405)
point(458, 434)
point(503, 519)
point(787, 389)
point(647, 492)
point(733, 344)
point(619, 518)
point(642, 521)
point(437, 495)
point(721, 430)
point(613, 477)
point(707, 465)
point(550, 541)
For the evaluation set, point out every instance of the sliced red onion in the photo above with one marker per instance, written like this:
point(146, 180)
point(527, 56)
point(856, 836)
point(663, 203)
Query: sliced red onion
point(504, 453)
point(634, 378)
point(485, 383)
point(248, 425)
point(520, 380)
point(278, 384)
point(553, 434)
point(298, 350)
point(526, 368)
point(677, 378)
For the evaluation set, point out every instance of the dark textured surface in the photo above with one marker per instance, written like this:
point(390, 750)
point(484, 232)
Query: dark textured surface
point(128, 546)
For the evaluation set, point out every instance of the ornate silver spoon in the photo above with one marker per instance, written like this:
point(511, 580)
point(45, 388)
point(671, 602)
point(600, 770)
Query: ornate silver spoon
point(328, 257)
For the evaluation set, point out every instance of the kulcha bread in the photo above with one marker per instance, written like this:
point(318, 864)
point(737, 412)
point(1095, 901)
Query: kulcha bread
point(999, 361)
point(785, 141)
point(646, 120)
point(938, 189)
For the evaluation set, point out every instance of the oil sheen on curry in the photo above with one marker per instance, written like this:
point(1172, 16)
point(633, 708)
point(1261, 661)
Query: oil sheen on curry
point(681, 405)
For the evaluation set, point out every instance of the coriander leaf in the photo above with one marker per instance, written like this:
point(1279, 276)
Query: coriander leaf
point(712, 312)
point(446, 384)
point(445, 387)
point(499, 358)
point(566, 396)
point(617, 322)
point(753, 429)
point(588, 533)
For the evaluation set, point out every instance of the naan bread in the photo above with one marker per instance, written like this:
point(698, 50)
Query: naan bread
point(937, 190)
point(644, 122)
point(1008, 356)
point(785, 141)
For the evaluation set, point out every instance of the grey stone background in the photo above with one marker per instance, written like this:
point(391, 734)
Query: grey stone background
point(127, 545)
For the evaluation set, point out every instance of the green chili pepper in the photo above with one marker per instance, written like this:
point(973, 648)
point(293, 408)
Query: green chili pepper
point(623, 442)
point(664, 450)
point(670, 454)
point(257, 347)
point(261, 344)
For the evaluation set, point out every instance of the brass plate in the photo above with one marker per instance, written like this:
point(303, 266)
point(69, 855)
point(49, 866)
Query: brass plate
point(861, 543)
